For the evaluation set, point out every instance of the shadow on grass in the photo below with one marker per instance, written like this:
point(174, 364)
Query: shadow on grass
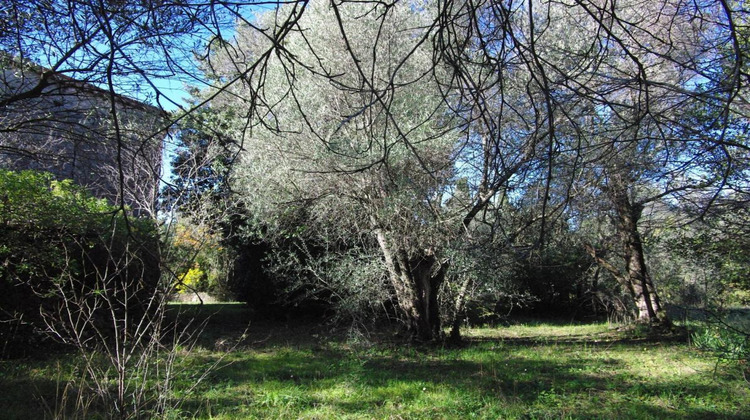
point(20, 398)
point(221, 326)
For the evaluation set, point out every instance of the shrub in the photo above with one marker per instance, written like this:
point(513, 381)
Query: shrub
point(193, 280)
point(196, 255)
point(62, 250)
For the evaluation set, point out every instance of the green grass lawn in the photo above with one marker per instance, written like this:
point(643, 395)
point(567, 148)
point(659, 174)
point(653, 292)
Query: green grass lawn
point(539, 370)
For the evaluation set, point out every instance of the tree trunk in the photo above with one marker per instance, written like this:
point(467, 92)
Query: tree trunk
point(455, 336)
point(416, 279)
point(641, 286)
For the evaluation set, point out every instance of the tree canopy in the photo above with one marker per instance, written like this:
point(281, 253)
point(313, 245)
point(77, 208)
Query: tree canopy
point(404, 150)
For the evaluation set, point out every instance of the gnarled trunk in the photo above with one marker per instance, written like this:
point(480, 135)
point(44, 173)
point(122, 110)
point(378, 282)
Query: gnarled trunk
point(416, 278)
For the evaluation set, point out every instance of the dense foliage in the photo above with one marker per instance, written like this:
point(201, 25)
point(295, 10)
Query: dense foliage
point(59, 247)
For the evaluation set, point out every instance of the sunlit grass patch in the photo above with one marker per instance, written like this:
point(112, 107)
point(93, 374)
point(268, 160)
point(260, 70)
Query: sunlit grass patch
point(544, 331)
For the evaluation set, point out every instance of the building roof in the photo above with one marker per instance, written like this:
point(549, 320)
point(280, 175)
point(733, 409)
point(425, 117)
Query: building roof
point(47, 77)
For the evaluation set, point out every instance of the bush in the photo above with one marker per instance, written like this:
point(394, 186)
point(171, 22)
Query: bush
point(62, 250)
point(196, 255)
point(193, 280)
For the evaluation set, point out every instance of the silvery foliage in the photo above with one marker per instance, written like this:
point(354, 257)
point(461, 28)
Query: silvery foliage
point(349, 129)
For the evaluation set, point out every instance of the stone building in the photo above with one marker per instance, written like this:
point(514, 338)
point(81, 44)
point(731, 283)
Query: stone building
point(52, 122)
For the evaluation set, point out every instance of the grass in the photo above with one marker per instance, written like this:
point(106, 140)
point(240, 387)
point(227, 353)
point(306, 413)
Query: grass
point(528, 371)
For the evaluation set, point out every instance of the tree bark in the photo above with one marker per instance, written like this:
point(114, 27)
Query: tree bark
point(416, 278)
point(641, 285)
point(455, 335)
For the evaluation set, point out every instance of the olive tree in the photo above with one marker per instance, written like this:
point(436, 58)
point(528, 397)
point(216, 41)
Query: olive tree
point(354, 138)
